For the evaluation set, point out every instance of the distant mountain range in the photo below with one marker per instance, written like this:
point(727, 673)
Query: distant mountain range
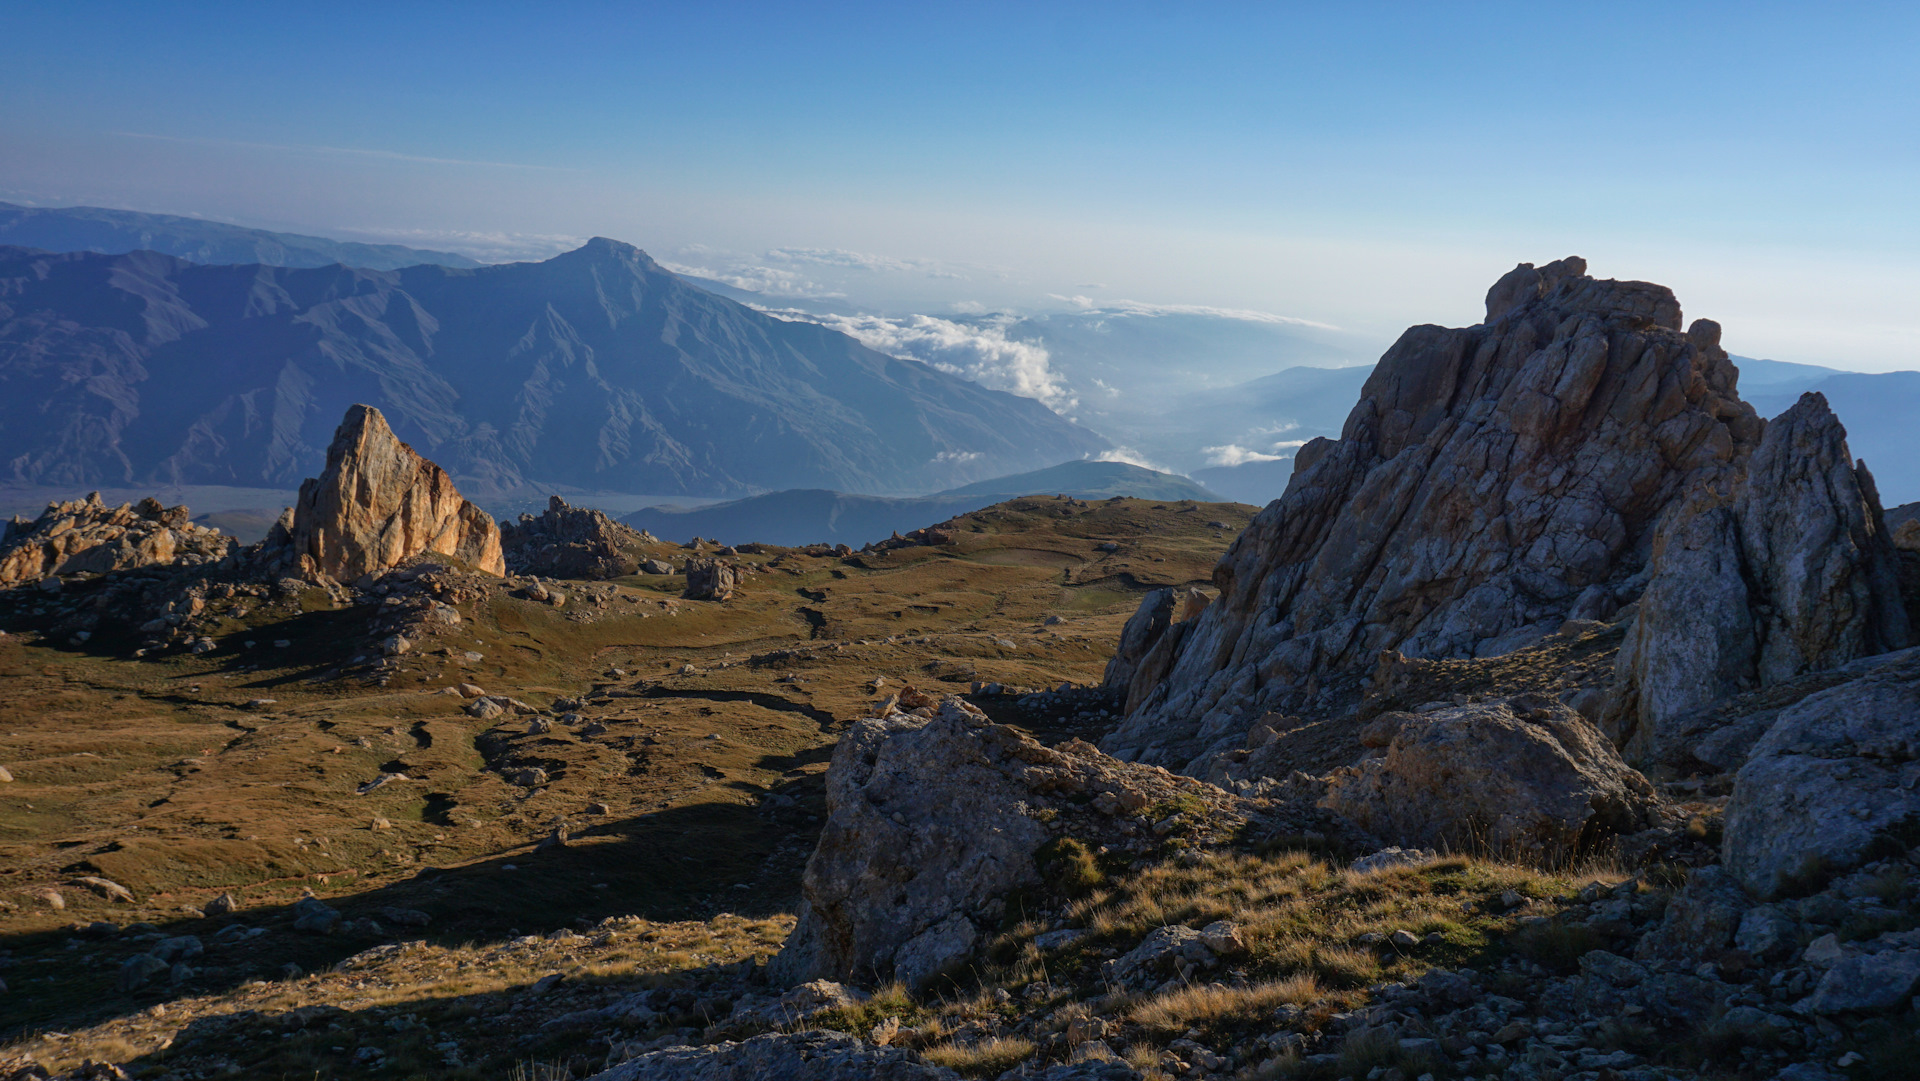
point(115, 232)
point(809, 516)
point(596, 369)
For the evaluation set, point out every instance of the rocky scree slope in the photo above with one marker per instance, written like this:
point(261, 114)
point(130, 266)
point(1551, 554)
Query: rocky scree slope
point(596, 369)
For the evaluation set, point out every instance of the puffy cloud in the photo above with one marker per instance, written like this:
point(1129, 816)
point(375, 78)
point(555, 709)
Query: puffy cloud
point(958, 456)
point(1130, 457)
point(981, 352)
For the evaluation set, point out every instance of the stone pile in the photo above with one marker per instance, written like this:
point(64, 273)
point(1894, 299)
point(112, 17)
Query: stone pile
point(572, 542)
point(84, 536)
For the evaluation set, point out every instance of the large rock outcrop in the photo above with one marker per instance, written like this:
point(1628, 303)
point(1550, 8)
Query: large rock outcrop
point(1525, 778)
point(1492, 482)
point(378, 503)
point(933, 816)
point(1834, 783)
point(87, 536)
point(1781, 568)
point(571, 542)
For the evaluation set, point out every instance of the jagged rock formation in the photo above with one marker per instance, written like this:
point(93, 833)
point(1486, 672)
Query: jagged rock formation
point(571, 542)
point(1492, 482)
point(1779, 568)
point(1159, 611)
point(379, 503)
point(86, 536)
point(1833, 783)
point(1525, 778)
point(933, 816)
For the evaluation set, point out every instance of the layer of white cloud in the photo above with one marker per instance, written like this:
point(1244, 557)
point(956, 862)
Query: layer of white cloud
point(768, 281)
point(1139, 308)
point(482, 246)
point(980, 352)
point(1235, 454)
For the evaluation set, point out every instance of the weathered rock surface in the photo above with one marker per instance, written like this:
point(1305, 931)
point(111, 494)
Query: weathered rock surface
point(933, 816)
point(1835, 778)
point(1526, 778)
point(378, 503)
point(1768, 573)
point(817, 1055)
point(86, 536)
point(711, 579)
point(1492, 482)
point(571, 542)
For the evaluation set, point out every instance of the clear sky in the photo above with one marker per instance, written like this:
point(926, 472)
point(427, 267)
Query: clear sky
point(1366, 165)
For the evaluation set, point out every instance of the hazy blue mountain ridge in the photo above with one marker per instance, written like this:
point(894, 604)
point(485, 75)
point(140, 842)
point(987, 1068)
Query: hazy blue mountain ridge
point(115, 232)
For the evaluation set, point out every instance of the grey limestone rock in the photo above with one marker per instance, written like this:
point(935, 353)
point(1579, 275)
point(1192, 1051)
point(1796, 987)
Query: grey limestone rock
point(1838, 773)
point(1524, 777)
point(1491, 483)
point(802, 1056)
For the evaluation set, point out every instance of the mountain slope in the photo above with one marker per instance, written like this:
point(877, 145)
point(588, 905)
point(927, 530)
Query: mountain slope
point(596, 369)
point(808, 516)
point(113, 232)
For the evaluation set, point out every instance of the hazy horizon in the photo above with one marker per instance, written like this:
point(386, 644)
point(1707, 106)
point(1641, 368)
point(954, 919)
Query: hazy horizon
point(1367, 168)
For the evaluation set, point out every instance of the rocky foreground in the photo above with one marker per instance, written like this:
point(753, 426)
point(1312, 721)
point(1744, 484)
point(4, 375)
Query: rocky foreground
point(1559, 722)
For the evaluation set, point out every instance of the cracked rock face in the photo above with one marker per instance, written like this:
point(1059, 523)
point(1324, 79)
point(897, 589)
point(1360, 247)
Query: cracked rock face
point(378, 503)
point(933, 816)
point(1775, 571)
point(1492, 482)
point(87, 536)
point(1835, 778)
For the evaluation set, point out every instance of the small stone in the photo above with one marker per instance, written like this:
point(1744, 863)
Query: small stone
point(1404, 939)
point(223, 905)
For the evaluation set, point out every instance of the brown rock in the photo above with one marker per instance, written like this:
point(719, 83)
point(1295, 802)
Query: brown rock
point(378, 503)
point(85, 535)
point(710, 579)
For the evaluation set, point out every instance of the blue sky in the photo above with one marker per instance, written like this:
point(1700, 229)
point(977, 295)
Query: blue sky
point(1367, 165)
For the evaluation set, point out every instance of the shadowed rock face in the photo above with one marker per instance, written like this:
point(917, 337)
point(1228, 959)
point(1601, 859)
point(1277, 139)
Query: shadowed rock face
point(571, 542)
point(378, 503)
point(85, 535)
point(1492, 482)
point(1774, 571)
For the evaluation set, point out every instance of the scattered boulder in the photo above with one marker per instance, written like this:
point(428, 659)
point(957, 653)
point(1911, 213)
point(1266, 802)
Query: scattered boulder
point(655, 566)
point(797, 1005)
point(105, 887)
point(378, 503)
point(817, 1055)
point(1523, 777)
point(314, 916)
point(1836, 776)
point(710, 579)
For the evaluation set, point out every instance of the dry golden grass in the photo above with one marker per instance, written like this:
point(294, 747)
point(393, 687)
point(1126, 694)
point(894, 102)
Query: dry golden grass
point(1208, 1006)
point(985, 1058)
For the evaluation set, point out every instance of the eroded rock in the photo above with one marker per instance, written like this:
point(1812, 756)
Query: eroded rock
point(87, 536)
point(818, 1055)
point(571, 542)
point(378, 503)
point(1524, 778)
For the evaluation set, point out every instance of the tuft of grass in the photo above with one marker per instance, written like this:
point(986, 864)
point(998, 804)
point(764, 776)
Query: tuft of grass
point(1069, 867)
point(1215, 1006)
point(986, 1058)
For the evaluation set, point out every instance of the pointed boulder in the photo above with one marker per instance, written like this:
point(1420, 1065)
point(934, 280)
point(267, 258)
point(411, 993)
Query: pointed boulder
point(379, 503)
